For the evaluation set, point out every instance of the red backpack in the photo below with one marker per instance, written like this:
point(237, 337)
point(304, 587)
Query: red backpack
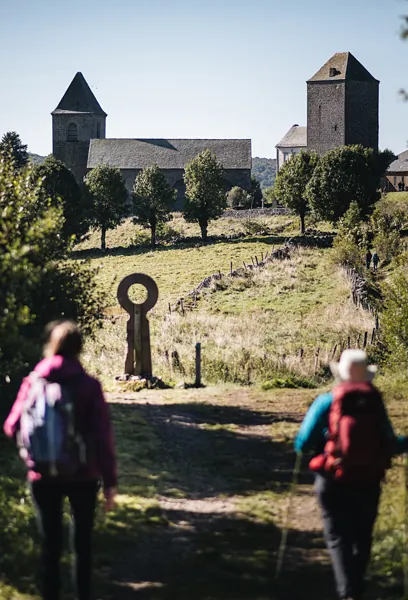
point(357, 449)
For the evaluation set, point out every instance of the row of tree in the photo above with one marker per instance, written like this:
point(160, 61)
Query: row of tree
point(103, 201)
point(327, 185)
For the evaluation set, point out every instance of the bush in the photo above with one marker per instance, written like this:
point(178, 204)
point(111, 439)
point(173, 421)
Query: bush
point(395, 318)
point(34, 287)
point(239, 198)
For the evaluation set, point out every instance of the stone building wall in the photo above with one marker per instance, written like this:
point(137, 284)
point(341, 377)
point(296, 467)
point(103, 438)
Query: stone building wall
point(325, 116)
point(362, 107)
point(232, 177)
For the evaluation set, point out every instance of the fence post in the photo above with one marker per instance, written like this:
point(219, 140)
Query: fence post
point(198, 365)
point(231, 268)
point(257, 262)
point(182, 306)
point(252, 259)
point(169, 308)
point(365, 339)
point(373, 336)
point(316, 365)
point(245, 267)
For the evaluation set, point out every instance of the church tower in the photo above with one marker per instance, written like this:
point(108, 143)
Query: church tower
point(77, 119)
point(342, 105)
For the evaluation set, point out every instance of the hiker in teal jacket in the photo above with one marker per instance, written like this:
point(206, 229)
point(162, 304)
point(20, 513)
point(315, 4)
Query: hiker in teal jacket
point(349, 510)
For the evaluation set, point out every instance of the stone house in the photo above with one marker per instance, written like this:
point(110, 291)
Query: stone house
point(292, 143)
point(79, 140)
point(396, 178)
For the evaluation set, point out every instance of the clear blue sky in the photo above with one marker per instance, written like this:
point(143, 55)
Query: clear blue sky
point(194, 68)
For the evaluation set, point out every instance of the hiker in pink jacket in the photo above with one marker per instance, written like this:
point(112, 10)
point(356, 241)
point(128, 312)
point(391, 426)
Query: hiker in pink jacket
point(92, 422)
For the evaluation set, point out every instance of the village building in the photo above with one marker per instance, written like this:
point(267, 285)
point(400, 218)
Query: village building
point(292, 143)
point(342, 108)
point(396, 179)
point(79, 141)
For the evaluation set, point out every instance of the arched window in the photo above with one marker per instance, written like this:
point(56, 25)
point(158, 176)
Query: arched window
point(72, 134)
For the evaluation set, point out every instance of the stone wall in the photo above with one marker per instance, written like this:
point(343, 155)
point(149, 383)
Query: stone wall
point(362, 113)
point(175, 177)
point(325, 116)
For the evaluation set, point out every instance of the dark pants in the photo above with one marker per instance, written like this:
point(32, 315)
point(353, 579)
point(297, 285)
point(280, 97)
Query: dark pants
point(48, 497)
point(349, 515)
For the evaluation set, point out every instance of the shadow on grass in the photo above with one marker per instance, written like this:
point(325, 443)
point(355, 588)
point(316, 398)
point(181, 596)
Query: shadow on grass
point(140, 250)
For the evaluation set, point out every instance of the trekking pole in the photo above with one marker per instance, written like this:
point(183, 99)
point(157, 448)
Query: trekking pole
point(286, 524)
point(405, 555)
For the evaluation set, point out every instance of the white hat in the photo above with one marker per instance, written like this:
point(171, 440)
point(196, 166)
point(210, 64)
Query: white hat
point(341, 369)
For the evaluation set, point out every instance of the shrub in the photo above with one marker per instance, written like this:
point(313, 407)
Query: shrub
point(395, 318)
point(239, 198)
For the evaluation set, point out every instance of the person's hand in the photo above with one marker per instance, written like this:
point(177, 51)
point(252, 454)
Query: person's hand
point(110, 494)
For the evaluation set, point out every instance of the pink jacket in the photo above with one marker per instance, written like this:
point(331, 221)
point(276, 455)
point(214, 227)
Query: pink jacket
point(92, 414)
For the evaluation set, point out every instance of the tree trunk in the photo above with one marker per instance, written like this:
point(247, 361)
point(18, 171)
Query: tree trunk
point(203, 227)
point(302, 223)
point(103, 239)
point(153, 232)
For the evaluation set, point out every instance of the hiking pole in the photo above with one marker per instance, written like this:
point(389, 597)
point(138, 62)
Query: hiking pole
point(286, 524)
point(405, 556)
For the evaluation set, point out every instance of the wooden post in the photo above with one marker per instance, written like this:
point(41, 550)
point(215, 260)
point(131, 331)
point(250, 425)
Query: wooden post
point(373, 335)
point(377, 322)
point(169, 308)
point(365, 339)
point(231, 268)
point(349, 342)
point(245, 267)
point(316, 365)
point(301, 353)
point(262, 257)
point(358, 340)
point(252, 259)
point(198, 365)
point(257, 262)
point(182, 306)
point(334, 352)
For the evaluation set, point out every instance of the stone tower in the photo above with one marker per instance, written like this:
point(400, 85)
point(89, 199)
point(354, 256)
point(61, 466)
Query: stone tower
point(77, 119)
point(342, 105)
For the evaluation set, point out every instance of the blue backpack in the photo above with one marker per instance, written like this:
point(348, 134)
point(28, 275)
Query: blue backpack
point(49, 441)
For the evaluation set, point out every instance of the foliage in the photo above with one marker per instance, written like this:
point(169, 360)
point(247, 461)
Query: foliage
point(264, 170)
point(350, 244)
point(239, 198)
point(269, 195)
point(60, 189)
point(291, 182)
point(12, 145)
point(153, 199)
point(205, 197)
point(395, 317)
point(256, 192)
point(108, 198)
point(34, 288)
point(344, 175)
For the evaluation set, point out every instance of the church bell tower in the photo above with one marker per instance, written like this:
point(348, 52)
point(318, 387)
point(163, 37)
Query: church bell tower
point(77, 119)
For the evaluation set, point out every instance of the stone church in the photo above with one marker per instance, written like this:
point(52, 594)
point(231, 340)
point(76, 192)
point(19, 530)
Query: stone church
point(79, 140)
point(342, 109)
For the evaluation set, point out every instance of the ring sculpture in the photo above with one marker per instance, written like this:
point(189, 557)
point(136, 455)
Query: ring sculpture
point(138, 355)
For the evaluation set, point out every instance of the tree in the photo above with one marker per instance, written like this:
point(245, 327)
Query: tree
point(239, 198)
point(60, 189)
point(291, 182)
point(109, 199)
point(34, 287)
point(11, 144)
point(153, 199)
point(256, 192)
point(205, 196)
point(344, 175)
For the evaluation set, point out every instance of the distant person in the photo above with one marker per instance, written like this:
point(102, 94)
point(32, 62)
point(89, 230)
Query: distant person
point(369, 256)
point(61, 423)
point(352, 439)
point(376, 261)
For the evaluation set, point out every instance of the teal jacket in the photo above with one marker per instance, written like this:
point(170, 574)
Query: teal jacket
point(312, 433)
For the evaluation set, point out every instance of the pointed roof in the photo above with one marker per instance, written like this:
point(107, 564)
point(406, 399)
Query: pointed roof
point(79, 98)
point(342, 66)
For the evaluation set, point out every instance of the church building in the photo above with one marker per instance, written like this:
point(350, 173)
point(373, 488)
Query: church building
point(79, 141)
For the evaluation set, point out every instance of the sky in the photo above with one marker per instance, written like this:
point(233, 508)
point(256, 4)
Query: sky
point(194, 68)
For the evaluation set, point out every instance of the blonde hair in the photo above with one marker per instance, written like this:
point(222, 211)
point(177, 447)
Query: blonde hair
point(63, 338)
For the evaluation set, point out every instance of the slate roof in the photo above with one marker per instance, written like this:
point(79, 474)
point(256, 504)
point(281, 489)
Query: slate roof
point(400, 165)
point(296, 137)
point(79, 98)
point(166, 154)
point(347, 68)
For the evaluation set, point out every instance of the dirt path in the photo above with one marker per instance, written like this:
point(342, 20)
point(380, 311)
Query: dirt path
point(205, 484)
